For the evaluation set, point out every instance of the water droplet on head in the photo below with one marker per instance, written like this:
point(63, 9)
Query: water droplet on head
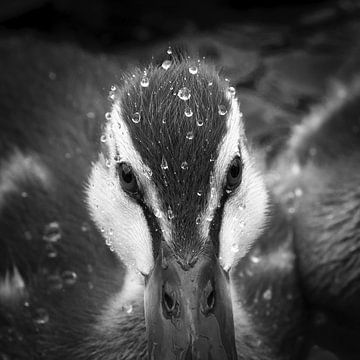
point(184, 165)
point(199, 122)
point(129, 309)
point(144, 81)
point(108, 116)
point(190, 135)
point(198, 220)
point(111, 232)
point(188, 112)
point(170, 213)
point(222, 110)
point(136, 118)
point(52, 232)
point(117, 158)
point(107, 163)
point(184, 94)
point(169, 50)
point(199, 193)
point(164, 164)
point(51, 251)
point(41, 316)
point(69, 277)
point(235, 248)
point(158, 213)
point(103, 138)
point(210, 83)
point(113, 87)
point(193, 70)
point(166, 64)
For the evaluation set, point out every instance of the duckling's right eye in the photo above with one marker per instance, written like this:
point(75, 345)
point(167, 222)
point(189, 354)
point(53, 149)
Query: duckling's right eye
point(127, 179)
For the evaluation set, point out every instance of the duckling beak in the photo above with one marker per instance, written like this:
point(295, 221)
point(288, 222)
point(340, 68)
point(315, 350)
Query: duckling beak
point(188, 310)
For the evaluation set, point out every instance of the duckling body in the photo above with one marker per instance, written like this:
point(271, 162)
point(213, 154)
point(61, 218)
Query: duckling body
point(73, 286)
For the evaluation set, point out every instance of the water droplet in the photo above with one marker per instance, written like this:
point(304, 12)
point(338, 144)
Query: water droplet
point(108, 116)
point(170, 213)
point(52, 75)
point(111, 232)
point(164, 164)
point(199, 122)
point(52, 232)
point(166, 64)
point(103, 138)
point(188, 112)
point(184, 94)
point(235, 248)
point(69, 277)
point(267, 295)
point(108, 163)
point(113, 87)
point(148, 173)
point(102, 229)
point(41, 316)
point(144, 81)
point(129, 309)
point(210, 83)
point(51, 251)
point(158, 213)
point(193, 70)
point(199, 193)
point(222, 110)
point(255, 259)
point(190, 135)
point(117, 158)
point(184, 165)
point(232, 91)
point(136, 118)
point(90, 115)
point(298, 192)
point(169, 50)
point(198, 220)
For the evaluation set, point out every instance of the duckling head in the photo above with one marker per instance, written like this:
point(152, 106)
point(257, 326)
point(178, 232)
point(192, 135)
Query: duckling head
point(176, 195)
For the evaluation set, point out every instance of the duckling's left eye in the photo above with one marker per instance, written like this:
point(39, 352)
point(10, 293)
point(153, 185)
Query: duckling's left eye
point(234, 175)
point(128, 179)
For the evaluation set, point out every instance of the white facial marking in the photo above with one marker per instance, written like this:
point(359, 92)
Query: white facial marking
point(17, 169)
point(118, 216)
point(245, 210)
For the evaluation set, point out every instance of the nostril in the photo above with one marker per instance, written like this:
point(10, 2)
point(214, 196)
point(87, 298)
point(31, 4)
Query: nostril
point(208, 299)
point(168, 301)
point(211, 300)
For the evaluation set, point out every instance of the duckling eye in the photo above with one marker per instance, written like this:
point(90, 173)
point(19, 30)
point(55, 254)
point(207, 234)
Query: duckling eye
point(128, 179)
point(234, 174)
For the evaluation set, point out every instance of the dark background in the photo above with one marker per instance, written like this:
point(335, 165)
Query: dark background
point(99, 24)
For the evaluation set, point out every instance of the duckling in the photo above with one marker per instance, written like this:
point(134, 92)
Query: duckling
point(144, 235)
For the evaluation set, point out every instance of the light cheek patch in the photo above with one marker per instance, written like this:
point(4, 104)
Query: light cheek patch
point(120, 219)
point(244, 216)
